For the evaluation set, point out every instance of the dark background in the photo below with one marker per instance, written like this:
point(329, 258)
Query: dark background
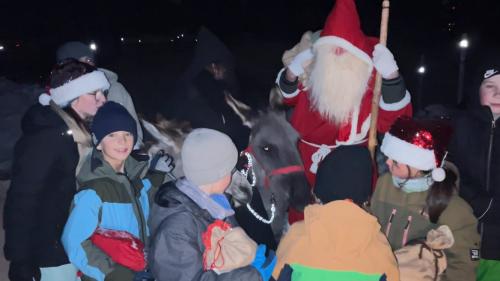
point(257, 32)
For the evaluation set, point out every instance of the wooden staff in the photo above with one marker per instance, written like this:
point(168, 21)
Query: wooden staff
point(372, 137)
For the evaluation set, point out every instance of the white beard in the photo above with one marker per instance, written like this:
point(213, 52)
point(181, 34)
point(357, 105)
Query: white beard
point(337, 83)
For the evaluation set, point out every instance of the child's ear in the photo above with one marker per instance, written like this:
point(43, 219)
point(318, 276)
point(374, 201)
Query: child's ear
point(99, 147)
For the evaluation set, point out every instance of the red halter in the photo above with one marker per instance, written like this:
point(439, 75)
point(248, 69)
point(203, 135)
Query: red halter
point(276, 172)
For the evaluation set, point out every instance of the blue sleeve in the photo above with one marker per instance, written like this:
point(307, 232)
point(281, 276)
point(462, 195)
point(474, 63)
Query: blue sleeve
point(81, 224)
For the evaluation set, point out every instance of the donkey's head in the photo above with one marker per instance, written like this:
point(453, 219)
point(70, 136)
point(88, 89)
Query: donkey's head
point(169, 136)
point(277, 163)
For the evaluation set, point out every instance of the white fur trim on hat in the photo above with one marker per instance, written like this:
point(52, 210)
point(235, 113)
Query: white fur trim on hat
point(341, 42)
point(407, 153)
point(85, 84)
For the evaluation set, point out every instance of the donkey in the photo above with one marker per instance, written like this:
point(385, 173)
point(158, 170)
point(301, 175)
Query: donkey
point(272, 164)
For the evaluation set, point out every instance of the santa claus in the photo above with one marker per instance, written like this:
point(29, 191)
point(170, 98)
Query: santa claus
point(332, 105)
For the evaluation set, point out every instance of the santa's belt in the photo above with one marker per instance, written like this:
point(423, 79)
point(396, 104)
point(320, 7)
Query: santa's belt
point(324, 150)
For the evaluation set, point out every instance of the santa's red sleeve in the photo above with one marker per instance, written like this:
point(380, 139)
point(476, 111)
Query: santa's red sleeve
point(395, 102)
point(289, 90)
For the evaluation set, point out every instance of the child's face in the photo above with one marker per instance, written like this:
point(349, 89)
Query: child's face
point(116, 147)
point(401, 170)
point(490, 94)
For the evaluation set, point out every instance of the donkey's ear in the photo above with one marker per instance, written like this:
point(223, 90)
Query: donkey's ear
point(276, 99)
point(242, 110)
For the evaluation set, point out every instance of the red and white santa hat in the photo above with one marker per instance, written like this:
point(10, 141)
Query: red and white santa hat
point(343, 28)
point(419, 143)
point(71, 90)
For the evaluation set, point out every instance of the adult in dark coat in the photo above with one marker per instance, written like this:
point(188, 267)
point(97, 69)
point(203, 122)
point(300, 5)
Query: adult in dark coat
point(200, 95)
point(475, 149)
point(43, 178)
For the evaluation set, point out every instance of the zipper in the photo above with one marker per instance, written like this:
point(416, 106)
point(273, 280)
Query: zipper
point(406, 231)
point(138, 209)
point(389, 224)
point(490, 150)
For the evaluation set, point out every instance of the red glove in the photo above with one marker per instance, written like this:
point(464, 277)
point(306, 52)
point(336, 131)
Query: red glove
point(123, 248)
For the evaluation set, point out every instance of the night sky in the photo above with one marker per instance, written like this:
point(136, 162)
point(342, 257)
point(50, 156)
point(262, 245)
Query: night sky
point(419, 31)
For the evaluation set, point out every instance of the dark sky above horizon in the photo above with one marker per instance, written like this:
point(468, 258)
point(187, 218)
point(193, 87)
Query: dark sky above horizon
point(427, 29)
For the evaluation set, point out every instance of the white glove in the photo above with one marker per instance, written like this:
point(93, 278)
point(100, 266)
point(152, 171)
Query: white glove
point(296, 66)
point(383, 60)
point(166, 163)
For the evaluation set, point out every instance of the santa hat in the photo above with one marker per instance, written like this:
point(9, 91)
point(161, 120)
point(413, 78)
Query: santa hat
point(418, 143)
point(343, 28)
point(71, 90)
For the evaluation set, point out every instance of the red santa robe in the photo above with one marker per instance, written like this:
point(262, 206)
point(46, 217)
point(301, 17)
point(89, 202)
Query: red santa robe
point(318, 135)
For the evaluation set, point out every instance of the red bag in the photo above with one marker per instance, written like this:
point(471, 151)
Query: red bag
point(123, 248)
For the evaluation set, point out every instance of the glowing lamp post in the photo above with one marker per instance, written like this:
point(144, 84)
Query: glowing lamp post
point(463, 44)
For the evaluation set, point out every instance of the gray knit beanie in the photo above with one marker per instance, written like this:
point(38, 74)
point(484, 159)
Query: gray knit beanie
point(207, 156)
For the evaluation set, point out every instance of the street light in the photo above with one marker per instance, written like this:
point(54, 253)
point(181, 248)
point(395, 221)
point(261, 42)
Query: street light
point(122, 39)
point(2, 48)
point(93, 46)
point(463, 44)
point(421, 73)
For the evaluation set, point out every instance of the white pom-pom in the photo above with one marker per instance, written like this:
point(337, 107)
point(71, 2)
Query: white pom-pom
point(44, 99)
point(438, 174)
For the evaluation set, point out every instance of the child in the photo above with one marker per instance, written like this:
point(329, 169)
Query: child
point(475, 149)
point(419, 194)
point(338, 240)
point(113, 197)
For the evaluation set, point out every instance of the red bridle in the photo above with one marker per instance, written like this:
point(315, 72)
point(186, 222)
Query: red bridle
point(276, 172)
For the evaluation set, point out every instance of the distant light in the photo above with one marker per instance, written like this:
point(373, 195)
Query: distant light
point(182, 35)
point(178, 37)
point(421, 69)
point(464, 43)
point(140, 41)
point(18, 44)
point(2, 48)
point(195, 40)
point(122, 39)
point(171, 40)
point(93, 46)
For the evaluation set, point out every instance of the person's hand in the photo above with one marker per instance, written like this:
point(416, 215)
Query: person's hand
point(23, 271)
point(165, 163)
point(296, 67)
point(264, 266)
point(384, 62)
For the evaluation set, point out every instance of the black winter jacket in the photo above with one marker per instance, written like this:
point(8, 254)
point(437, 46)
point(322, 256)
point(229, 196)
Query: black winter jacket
point(42, 187)
point(475, 149)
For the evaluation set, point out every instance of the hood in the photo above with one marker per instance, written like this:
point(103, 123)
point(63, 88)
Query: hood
point(39, 117)
point(110, 75)
point(338, 236)
point(209, 49)
point(95, 167)
point(168, 200)
point(184, 196)
point(325, 227)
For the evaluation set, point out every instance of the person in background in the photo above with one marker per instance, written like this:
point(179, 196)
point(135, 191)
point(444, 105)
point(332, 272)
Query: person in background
point(475, 149)
point(200, 94)
point(419, 194)
point(117, 92)
point(184, 210)
point(113, 198)
point(46, 158)
point(338, 239)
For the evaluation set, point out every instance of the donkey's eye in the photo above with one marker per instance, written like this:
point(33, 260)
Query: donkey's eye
point(266, 148)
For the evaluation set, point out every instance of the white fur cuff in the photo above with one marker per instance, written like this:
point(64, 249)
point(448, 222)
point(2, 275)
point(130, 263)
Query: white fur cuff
point(85, 84)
